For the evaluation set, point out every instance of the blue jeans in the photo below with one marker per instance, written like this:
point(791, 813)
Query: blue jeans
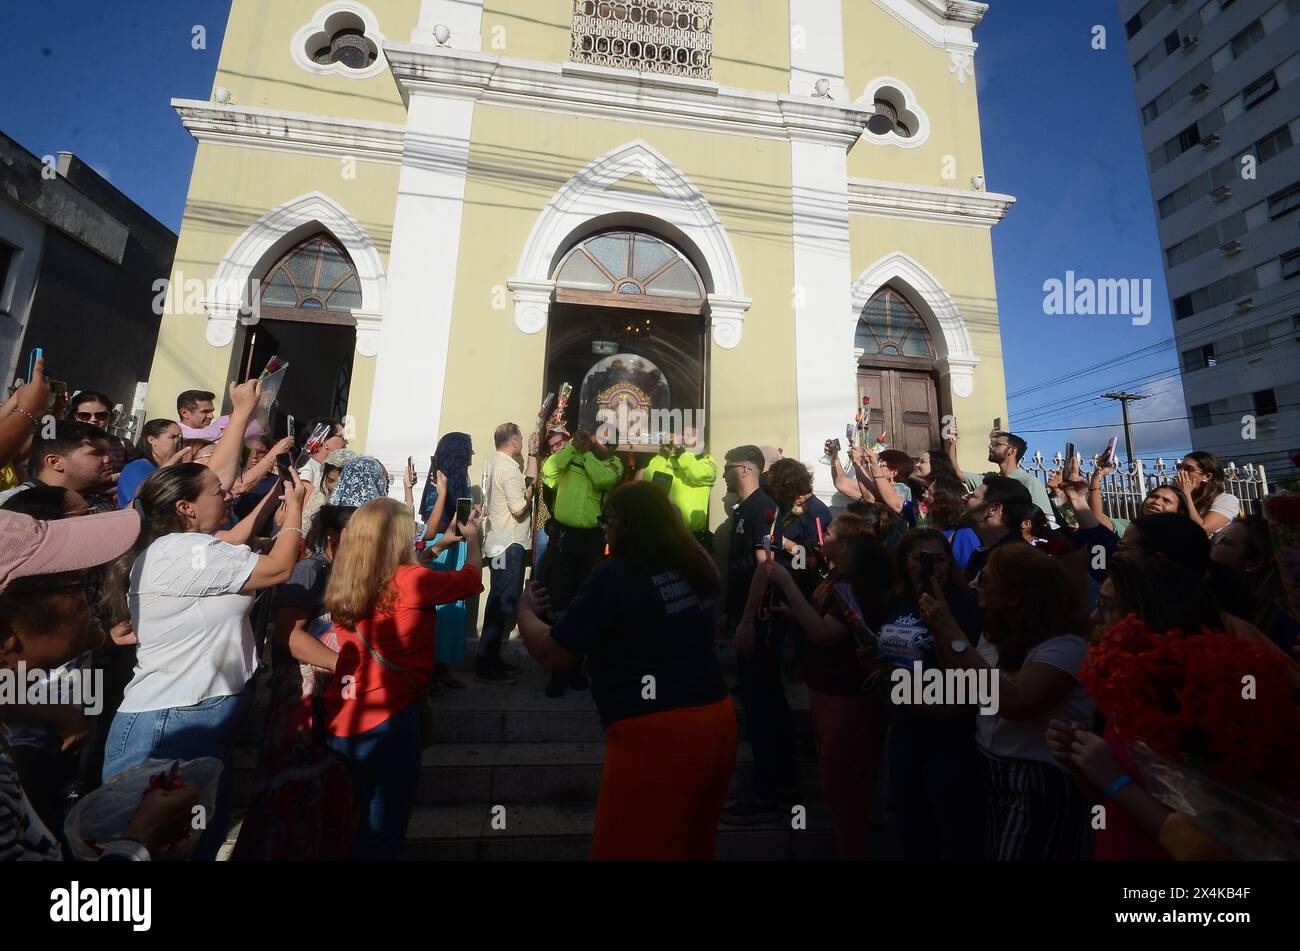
point(384, 764)
point(769, 724)
point(503, 602)
point(208, 728)
point(541, 542)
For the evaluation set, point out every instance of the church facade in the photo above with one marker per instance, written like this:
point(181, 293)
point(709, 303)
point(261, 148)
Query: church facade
point(741, 216)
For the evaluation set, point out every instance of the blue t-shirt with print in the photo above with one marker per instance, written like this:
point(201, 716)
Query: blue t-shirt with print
point(635, 625)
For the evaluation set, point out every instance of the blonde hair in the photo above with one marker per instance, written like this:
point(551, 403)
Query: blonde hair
point(377, 541)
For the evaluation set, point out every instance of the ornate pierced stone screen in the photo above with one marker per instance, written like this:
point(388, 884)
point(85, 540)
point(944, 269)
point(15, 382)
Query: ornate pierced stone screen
point(674, 37)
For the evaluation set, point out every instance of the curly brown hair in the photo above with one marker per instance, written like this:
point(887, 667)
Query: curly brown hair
point(787, 480)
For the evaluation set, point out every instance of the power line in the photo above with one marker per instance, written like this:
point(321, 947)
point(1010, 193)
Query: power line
point(1066, 404)
point(1137, 422)
point(1191, 339)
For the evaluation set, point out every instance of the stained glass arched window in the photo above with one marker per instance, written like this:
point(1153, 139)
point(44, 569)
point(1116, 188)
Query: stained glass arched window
point(631, 266)
point(314, 281)
point(892, 327)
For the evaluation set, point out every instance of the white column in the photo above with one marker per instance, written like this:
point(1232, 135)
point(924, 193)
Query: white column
point(825, 364)
point(817, 48)
point(464, 18)
point(407, 403)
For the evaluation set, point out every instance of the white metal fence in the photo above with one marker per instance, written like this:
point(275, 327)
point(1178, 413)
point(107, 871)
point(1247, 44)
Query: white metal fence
point(1124, 489)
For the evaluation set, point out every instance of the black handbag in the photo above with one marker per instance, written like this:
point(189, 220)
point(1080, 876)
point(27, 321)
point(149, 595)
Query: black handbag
point(426, 704)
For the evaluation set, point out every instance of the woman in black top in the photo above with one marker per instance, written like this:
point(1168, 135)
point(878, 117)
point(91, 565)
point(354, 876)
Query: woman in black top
point(646, 618)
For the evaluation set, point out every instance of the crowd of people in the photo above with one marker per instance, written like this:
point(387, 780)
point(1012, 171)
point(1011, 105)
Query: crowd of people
point(177, 565)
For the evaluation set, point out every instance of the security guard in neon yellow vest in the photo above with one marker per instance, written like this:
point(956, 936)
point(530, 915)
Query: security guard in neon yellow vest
point(582, 474)
point(693, 475)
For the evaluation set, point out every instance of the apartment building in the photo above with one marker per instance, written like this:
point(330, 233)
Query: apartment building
point(1218, 87)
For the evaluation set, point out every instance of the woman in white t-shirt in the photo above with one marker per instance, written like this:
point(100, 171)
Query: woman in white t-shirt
point(1035, 812)
point(1203, 483)
point(189, 596)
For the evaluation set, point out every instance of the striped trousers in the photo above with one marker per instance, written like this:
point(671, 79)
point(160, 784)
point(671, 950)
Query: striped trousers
point(1036, 813)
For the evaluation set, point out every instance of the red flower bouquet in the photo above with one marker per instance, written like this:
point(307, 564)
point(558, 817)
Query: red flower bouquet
point(1213, 722)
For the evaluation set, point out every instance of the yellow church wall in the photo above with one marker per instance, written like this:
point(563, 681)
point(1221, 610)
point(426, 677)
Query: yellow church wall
point(260, 72)
point(230, 190)
point(520, 159)
point(961, 260)
point(751, 38)
point(877, 44)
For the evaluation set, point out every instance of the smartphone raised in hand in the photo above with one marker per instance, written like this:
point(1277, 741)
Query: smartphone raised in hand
point(31, 363)
point(1069, 457)
point(1107, 458)
point(463, 509)
point(927, 572)
point(283, 464)
point(664, 480)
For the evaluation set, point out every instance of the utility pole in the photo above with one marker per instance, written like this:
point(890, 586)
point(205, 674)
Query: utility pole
point(1124, 400)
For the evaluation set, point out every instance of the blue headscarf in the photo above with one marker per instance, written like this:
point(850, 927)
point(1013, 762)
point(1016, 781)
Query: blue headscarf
point(362, 480)
point(452, 459)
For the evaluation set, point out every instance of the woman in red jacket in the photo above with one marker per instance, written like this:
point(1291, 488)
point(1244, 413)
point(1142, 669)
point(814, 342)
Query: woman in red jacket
point(383, 607)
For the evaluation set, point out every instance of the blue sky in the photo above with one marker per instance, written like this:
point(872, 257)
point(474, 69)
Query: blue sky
point(1060, 130)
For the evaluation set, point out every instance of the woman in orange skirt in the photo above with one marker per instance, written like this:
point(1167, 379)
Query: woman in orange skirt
point(646, 618)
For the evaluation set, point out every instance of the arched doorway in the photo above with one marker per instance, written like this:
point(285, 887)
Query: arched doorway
point(896, 370)
point(306, 304)
point(629, 330)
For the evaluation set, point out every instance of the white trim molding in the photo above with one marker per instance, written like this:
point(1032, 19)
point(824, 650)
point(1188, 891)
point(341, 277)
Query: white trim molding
point(957, 357)
point(947, 24)
point(328, 20)
point(300, 133)
point(230, 299)
point(422, 274)
point(817, 49)
point(961, 63)
point(462, 18)
point(951, 206)
point(899, 94)
point(679, 213)
point(825, 377)
point(603, 93)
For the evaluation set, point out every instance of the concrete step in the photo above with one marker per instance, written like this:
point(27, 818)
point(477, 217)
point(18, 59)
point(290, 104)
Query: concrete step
point(560, 832)
point(465, 773)
point(551, 832)
point(521, 712)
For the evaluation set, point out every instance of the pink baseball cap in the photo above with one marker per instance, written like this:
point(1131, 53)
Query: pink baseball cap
point(29, 547)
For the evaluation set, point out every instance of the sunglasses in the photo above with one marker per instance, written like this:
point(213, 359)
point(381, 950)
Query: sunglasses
point(93, 417)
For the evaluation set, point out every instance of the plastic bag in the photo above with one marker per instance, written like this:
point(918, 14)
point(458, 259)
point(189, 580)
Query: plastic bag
point(102, 816)
point(266, 405)
point(1257, 824)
